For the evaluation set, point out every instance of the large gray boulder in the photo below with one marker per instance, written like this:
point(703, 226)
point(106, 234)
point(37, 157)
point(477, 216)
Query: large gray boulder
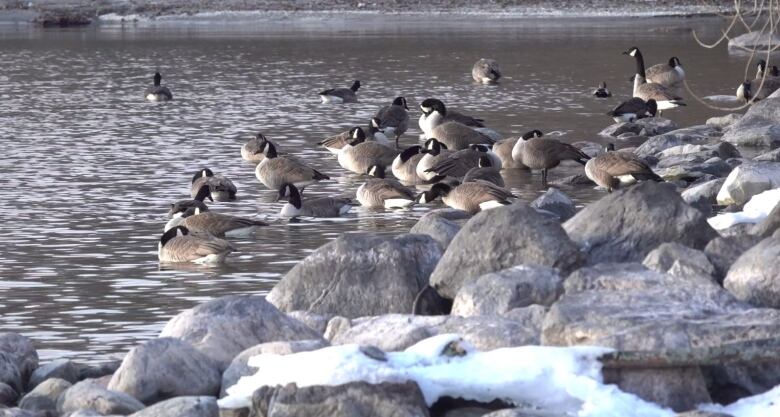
point(723, 251)
point(502, 238)
point(760, 126)
point(747, 180)
point(556, 202)
point(703, 196)
point(755, 276)
point(164, 368)
point(626, 225)
point(685, 136)
point(8, 395)
point(770, 156)
point(680, 260)
point(502, 291)
point(723, 122)
point(87, 395)
point(769, 225)
point(44, 396)
point(21, 349)
point(354, 399)
point(692, 168)
point(359, 275)
point(182, 407)
point(58, 368)
point(442, 225)
point(9, 372)
point(223, 327)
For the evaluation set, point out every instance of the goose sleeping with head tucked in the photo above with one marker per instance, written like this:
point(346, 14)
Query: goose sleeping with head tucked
point(177, 245)
point(178, 208)
point(341, 95)
point(220, 187)
point(486, 71)
point(613, 168)
point(633, 109)
point(378, 192)
point(296, 206)
point(158, 92)
point(405, 165)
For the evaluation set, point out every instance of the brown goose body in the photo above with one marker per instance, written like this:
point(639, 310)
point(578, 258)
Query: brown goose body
point(220, 225)
point(457, 136)
point(607, 169)
point(473, 197)
point(544, 154)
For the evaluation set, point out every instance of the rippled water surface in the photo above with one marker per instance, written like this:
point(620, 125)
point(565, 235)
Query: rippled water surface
point(89, 168)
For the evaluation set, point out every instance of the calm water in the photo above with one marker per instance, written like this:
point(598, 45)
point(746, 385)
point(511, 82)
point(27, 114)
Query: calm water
point(90, 168)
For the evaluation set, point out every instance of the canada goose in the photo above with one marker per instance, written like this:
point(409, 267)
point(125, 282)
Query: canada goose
point(405, 165)
point(470, 197)
point(314, 207)
point(486, 71)
point(458, 136)
point(158, 92)
point(611, 168)
point(275, 171)
point(252, 151)
point(669, 75)
point(381, 192)
point(601, 91)
point(503, 149)
point(177, 245)
point(222, 189)
point(215, 224)
point(358, 155)
point(436, 113)
point(178, 208)
point(485, 171)
point(769, 84)
point(435, 152)
point(633, 109)
point(341, 95)
point(394, 119)
point(457, 164)
point(543, 154)
point(663, 97)
point(376, 133)
point(336, 142)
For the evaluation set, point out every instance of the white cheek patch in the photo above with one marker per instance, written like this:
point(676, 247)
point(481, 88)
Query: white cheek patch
point(426, 109)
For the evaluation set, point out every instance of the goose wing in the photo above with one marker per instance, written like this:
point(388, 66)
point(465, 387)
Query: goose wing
point(188, 248)
point(388, 189)
point(634, 106)
point(456, 164)
point(481, 191)
point(461, 118)
point(620, 163)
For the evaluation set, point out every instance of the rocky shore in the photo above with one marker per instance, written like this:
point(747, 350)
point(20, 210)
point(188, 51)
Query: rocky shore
point(689, 315)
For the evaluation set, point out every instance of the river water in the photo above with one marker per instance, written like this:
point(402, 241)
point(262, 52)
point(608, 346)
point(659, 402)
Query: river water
point(90, 168)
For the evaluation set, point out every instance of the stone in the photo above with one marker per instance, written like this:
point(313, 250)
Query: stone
point(769, 225)
point(556, 202)
point(699, 413)
point(723, 251)
point(9, 372)
point(689, 135)
point(21, 349)
point(722, 122)
point(223, 327)
point(44, 395)
point(650, 126)
point(354, 399)
point(164, 368)
point(316, 322)
point(18, 412)
point(627, 224)
point(771, 156)
point(506, 236)
point(680, 260)
point(702, 196)
point(572, 180)
point(98, 370)
point(755, 41)
point(755, 276)
point(523, 412)
point(58, 368)
point(90, 396)
point(8, 395)
point(618, 129)
point(359, 275)
point(747, 180)
point(239, 367)
point(182, 407)
point(442, 225)
point(679, 388)
point(499, 292)
point(764, 135)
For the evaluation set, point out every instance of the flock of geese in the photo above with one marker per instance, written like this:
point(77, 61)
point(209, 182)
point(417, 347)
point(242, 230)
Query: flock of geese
point(459, 161)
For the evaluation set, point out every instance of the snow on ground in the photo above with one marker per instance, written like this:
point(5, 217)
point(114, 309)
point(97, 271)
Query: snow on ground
point(755, 210)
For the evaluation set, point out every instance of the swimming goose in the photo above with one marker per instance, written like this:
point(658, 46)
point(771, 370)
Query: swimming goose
point(633, 109)
point(177, 245)
point(222, 189)
point(457, 164)
point(394, 119)
point(611, 169)
point(358, 155)
point(314, 207)
point(664, 98)
point(275, 171)
point(435, 152)
point(486, 71)
point(178, 208)
point(158, 92)
point(503, 149)
point(341, 95)
point(543, 154)
point(252, 151)
point(405, 165)
point(215, 224)
point(601, 91)
point(380, 192)
point(435, 113)
point(470, 197)
point(485, 171)
point(669, 75)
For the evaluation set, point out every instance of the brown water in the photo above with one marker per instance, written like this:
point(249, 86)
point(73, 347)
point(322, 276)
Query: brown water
point(90, 168)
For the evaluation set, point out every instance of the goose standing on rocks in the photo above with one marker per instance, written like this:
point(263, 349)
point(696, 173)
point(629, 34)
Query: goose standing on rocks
point(315, 207)
point(275, 171)
point(544, 154)
point(158, 92)
point(380, 192)
point(222, 189)
point(601, 91)
point(177, 245)
point(394, 119)
point(485, 171)
point(178, 208)
point(215, 224)
point(435, 113)
point(435, 152)
point(611, 169)
point(769, 84)
point(670, 75)
point(358, 155)
point(405, 165)
point(457, 164)
point(341, 95)
point(471, 197)
point(664, 98)
point(503, 149)
point(633, 109)
point(486, 71)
